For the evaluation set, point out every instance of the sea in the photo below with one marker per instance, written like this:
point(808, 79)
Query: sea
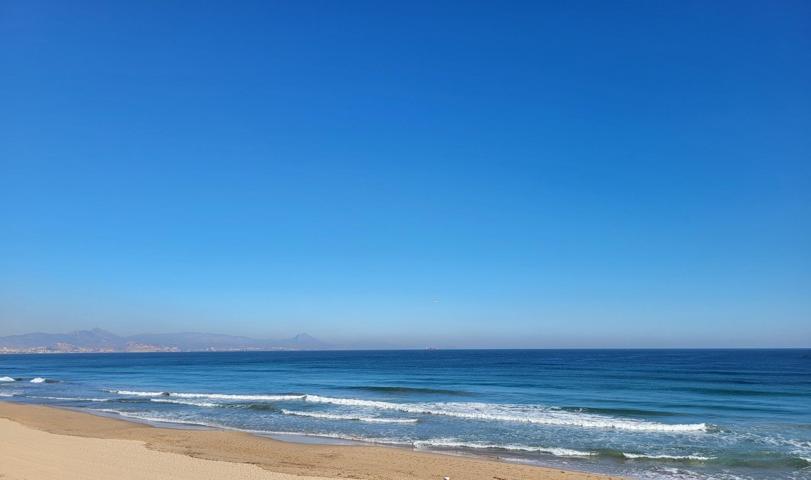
point(647, 414)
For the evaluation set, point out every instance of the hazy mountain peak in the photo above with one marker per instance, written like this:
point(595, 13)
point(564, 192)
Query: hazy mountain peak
point(305, 338)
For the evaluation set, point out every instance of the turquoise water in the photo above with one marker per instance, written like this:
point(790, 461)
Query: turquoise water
point(681, 414)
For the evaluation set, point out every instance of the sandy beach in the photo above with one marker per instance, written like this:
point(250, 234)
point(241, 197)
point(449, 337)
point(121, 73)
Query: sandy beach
point(45, 443)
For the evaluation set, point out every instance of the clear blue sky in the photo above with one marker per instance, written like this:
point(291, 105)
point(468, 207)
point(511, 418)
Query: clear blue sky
point(419, 173)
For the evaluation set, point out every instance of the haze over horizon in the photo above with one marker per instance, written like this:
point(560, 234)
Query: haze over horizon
point(522, 175)
point(311, 342)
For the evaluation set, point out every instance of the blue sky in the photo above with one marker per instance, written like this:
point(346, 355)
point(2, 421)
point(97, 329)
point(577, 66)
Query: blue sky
point(530, 174)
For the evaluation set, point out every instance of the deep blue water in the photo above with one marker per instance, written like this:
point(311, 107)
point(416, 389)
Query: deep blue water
point(683, 414)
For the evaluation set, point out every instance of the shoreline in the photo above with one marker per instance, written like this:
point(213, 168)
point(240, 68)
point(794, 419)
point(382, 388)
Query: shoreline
point(365, 462)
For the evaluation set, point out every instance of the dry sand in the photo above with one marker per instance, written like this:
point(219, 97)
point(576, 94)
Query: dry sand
point(44, 443)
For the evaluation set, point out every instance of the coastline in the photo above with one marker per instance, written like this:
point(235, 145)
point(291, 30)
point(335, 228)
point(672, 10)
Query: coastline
point(54, 431)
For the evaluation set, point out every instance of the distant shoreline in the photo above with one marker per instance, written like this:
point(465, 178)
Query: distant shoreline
point(157, 351)
point(560, 349)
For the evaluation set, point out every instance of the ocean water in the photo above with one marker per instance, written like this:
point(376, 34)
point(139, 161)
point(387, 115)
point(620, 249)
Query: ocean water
point(671, 414)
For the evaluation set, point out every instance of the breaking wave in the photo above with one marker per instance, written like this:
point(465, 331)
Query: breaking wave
point(515, 413)
point(532, 414)
point(185, 402)
point(331, 416)
point(211, 396)
point(558, 452)
point(75, 399)
point(453, 443)
point(151, 418)
point(633, 456)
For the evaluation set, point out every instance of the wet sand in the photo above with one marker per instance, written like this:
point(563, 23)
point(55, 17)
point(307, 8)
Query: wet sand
point(44, 443)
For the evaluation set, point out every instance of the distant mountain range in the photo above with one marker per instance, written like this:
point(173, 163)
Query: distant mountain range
point(98, 340)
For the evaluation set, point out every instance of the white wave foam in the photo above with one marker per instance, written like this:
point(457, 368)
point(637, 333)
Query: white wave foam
point(185, 402)
point(514, 413)
point(796, 443)
point(419, 444)
point(334, 435)
point(472, 411)
point(800, 448)
point(136, 393)
point(76, 399)
point(7, 379)
point(565, 452)
point(199, 423)
point(211, 396)
point(453, 443)
point(355, 402)
point(224, 396)
point(666, 457)
point(7, 394)
point(150, 418)
point(38, 380)
point(331, 416)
